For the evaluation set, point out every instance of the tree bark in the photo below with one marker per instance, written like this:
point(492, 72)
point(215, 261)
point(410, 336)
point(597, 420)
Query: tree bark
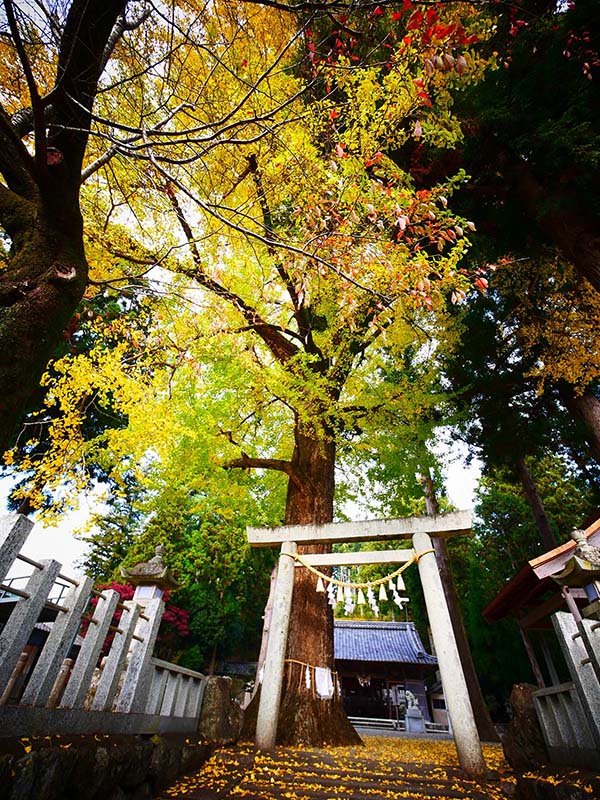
point(39, 293)
point(586, 408)
point(563, 220)
point(536, 505)
point(47, 272)
point(304, 718)
point(485, 726)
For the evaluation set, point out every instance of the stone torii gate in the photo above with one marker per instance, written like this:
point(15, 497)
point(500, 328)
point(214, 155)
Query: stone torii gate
point(420, 529)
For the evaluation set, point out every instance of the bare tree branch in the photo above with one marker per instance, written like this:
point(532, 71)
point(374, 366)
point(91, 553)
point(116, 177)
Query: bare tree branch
point(121, 25)
point(300, 312)
point(215, 211)
point(271, 335)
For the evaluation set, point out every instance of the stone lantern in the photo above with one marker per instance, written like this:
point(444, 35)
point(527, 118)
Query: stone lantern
point(150, 578)
point(583, 570)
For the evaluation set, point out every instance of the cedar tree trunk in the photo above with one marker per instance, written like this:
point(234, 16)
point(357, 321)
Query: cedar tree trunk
point(536, 505)
point(586, 408)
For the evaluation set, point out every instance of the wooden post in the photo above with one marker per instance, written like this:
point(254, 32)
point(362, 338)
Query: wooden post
point(571, 604)
point(535, 664)
point(466, 738)
point(554, 679)
point(23, 659)
point(270, 693)
point(59, 683)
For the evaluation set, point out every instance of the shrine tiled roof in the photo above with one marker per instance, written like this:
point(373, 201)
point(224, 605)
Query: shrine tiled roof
point(361, 640)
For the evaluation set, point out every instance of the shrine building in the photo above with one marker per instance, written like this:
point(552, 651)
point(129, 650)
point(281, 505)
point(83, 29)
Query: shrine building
point(377, 663)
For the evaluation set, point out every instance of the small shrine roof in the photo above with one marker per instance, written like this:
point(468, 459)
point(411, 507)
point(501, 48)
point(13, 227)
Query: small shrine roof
point(534, 579)
point(366, 640)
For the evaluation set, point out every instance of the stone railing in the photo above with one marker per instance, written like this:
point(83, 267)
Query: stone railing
point(397, 725)
point(52, 676)
point(569, 714)
point(175, 691)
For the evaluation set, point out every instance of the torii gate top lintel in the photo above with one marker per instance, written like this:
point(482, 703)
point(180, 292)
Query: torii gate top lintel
point(454, 523)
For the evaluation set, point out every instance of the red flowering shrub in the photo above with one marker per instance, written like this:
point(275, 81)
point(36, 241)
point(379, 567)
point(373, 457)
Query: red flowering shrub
point(174, 624)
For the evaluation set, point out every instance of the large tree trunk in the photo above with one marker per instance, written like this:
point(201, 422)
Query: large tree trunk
point(304, 717)
point(485, 726)
point(39, 293)
point(46, 273)
point(536, 505)
point(564, 220)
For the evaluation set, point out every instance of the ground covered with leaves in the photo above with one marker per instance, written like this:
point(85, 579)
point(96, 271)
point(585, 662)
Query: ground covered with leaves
point(384, 769)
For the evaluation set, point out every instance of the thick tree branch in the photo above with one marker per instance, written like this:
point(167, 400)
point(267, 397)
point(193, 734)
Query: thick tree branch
point(16, 164)
point(87, 31)
point(300, 311)
point(277, 464)
point(350, 345)
point(247, 462)
point(16, 214)
point(121, 25)
point(36, 102)
point(337, 6)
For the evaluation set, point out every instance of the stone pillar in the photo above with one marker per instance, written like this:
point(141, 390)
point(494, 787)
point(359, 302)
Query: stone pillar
point(270, 693)
point(115, 663)
point(14, 530)
point(581, 668)
point(133, 696)
point(87, 659)
point(456, 693)
point(17, 630)
point(57, 645)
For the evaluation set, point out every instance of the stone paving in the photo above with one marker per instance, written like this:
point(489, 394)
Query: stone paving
point(385, 769)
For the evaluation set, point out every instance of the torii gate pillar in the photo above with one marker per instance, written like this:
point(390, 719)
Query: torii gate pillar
point(270, 693)
point(456, 693)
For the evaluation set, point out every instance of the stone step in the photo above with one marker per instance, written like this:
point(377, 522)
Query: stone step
point(287, 774)
point(370, 780)
point(367, 771)
point(318, 791)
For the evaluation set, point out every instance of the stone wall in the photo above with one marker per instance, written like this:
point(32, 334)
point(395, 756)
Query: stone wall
point(96, 767)
point(115, 767)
